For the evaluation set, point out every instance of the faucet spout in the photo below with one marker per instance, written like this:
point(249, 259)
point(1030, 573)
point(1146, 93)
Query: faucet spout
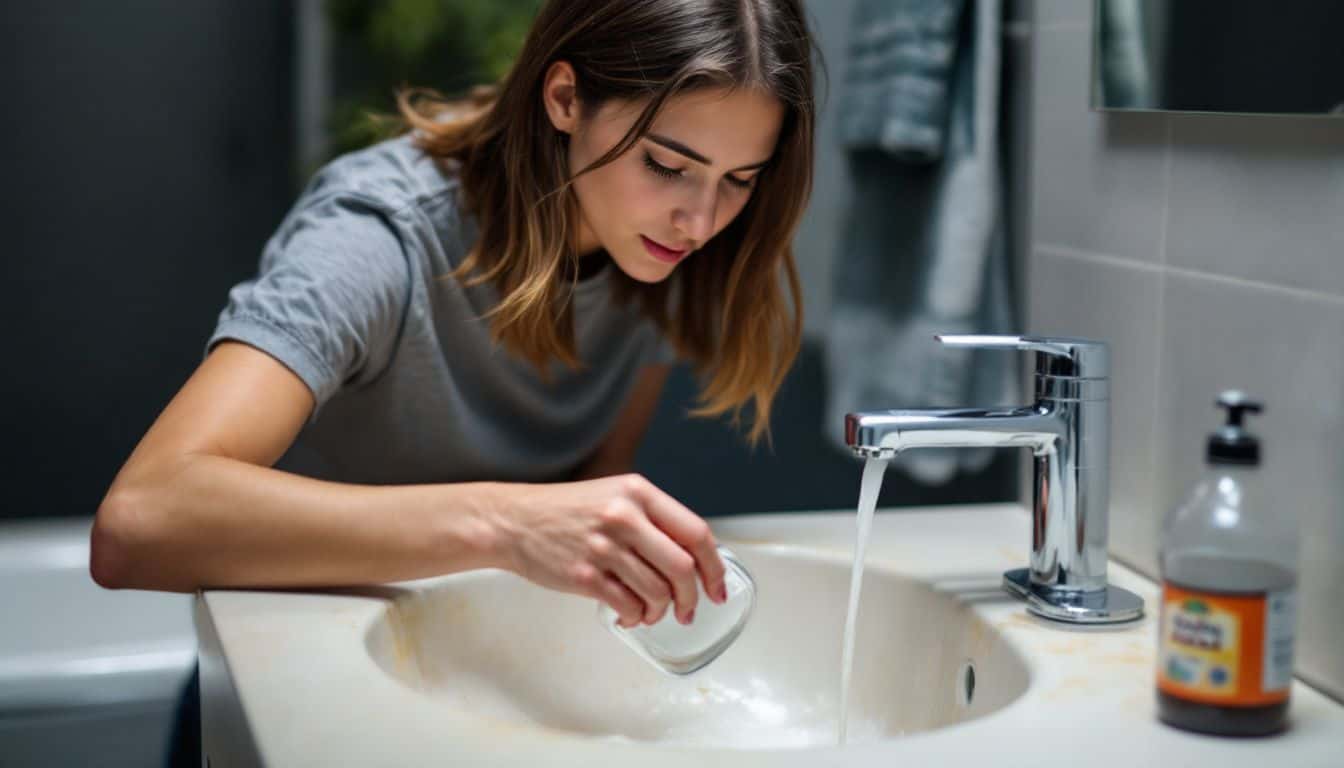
point(1068, 432)
point(883, 434)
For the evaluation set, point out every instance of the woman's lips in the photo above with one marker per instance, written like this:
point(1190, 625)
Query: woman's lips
point(662, 253)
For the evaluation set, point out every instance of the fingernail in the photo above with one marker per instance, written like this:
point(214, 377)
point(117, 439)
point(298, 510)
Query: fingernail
point(723, 594)
point(690, 617)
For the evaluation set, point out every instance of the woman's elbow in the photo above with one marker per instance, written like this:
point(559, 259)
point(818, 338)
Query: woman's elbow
point(118, 535)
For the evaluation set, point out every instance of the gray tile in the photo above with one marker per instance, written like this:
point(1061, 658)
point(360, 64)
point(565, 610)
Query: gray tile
point(1063, 11)
point(1117, 304)
point(1285, 349)
point(1260, 198)
point(1097, 177)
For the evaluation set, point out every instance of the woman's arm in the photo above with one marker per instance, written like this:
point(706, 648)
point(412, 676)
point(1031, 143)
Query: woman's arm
point(198, 504)
point(616, 454)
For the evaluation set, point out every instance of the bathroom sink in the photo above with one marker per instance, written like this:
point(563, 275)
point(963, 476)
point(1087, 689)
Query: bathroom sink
point(495, 645)
point(486, 669)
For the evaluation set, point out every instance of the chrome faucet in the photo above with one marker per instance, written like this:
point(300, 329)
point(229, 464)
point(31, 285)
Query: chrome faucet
point(1068, 430)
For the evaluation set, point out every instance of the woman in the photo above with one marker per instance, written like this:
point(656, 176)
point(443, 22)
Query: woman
point(467, 327)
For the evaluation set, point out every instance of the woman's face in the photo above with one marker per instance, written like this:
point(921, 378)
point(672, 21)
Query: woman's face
point(677, 186)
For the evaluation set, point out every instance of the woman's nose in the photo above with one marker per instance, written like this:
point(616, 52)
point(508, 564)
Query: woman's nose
point(696, 218)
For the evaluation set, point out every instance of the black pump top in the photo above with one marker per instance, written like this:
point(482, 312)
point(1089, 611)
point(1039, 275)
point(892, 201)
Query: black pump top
point(1232, 444)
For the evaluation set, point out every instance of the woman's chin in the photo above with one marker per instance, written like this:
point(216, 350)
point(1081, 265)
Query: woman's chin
point(646, 270)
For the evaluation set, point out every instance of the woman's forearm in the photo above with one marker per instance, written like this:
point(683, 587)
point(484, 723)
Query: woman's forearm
point(209, 521)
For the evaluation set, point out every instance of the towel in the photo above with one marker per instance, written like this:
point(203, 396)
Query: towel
point(923, 250)
point(899, 59)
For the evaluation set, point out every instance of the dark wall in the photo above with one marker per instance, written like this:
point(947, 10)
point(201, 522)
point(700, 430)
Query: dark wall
point(147, 156)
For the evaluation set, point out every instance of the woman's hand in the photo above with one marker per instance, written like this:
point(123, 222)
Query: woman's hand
point(618, 539)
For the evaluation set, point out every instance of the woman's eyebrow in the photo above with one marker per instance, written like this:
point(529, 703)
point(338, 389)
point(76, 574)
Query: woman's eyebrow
point(682, 149)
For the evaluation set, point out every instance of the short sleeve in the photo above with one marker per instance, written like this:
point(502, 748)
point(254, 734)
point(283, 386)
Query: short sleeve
point(329, 299)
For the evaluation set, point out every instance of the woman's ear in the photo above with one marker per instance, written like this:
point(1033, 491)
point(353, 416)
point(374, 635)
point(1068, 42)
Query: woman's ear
point(560, 95)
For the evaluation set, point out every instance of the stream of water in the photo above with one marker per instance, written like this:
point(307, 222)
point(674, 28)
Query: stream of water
point(868, 491)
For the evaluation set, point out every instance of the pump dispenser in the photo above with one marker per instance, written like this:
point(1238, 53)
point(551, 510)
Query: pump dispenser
point(1229, 578)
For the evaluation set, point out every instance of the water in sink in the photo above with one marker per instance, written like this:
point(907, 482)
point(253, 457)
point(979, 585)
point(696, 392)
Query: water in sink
point(868, 491)
point(729, 714)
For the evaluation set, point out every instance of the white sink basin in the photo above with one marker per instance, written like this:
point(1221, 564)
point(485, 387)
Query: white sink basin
point(494, 644)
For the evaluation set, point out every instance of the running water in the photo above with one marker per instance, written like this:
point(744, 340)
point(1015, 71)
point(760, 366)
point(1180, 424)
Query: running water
point(872, 484)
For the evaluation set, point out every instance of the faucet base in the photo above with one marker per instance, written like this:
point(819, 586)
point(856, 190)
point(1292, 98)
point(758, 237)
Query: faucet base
point(1111, 605)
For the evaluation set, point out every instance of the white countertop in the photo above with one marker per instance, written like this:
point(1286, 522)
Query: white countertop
point(289, 673)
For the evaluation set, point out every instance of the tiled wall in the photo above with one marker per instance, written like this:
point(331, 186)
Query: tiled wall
point(1209, 251)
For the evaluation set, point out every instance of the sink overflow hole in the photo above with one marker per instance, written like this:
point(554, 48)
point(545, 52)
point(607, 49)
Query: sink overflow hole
point(966, 684)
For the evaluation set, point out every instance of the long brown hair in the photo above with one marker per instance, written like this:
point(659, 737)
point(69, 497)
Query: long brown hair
point(734, 310)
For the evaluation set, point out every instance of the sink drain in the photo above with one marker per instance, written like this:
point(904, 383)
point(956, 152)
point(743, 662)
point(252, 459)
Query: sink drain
point(966, 684)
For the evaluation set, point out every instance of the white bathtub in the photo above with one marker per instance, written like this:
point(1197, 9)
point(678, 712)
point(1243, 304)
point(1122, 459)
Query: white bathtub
point(88, 676)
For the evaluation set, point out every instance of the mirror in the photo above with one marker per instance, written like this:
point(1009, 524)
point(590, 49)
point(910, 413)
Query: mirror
point(1242, 56)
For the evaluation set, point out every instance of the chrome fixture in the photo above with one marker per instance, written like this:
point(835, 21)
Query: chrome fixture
point(1068, 430)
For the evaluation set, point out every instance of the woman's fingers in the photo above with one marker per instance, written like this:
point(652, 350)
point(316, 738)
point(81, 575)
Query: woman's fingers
point(623, 601)
point(675, 565)
point(641, 578)
point(653, 548)
point(693, 535)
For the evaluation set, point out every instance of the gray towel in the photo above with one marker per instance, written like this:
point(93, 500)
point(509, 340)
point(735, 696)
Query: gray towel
point(899, 60)
point(923, 248)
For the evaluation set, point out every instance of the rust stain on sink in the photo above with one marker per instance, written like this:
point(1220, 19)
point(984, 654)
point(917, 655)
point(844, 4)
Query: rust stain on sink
point(1136, 658)
point(1070, 687)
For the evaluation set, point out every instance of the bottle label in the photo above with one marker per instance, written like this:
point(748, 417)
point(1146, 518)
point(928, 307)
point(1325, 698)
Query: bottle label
point(1230, 650)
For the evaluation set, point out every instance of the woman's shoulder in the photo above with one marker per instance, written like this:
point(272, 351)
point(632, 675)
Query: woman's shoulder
point(392, 188)
point(389, 176)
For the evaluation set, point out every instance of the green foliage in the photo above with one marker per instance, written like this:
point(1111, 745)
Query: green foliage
point(381, 45)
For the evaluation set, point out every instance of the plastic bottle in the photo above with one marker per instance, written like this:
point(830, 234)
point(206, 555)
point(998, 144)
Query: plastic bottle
point(1229, 577)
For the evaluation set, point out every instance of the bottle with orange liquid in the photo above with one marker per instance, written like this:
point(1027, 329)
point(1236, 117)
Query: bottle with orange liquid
point(1229, 578)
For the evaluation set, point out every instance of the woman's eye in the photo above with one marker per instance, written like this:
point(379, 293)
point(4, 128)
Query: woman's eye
point(673, 173)
point(660, 169)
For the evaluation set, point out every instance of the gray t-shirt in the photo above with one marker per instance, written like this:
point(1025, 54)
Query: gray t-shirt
point(354, 296)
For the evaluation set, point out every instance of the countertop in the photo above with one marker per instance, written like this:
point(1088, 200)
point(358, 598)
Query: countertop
point(287, 679)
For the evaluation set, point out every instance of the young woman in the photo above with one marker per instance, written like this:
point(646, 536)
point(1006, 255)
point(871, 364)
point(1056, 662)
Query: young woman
point(466, 329)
